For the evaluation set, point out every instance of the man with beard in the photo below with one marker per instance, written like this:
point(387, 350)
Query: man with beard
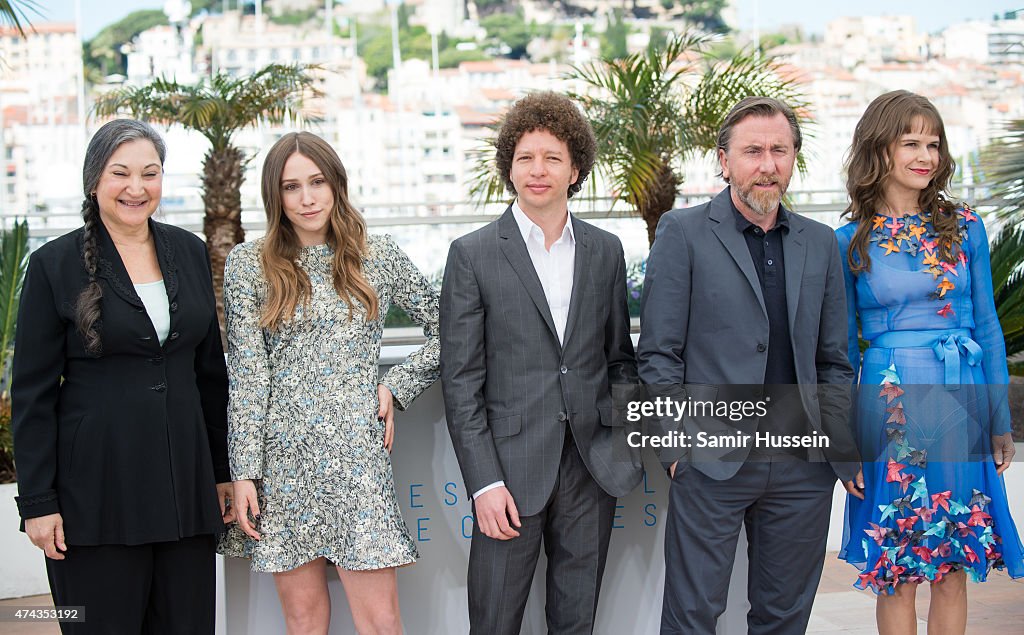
point(744, 300)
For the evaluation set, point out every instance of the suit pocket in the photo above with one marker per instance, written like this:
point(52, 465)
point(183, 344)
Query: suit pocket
point(813, 279)
point(506, 426)
point(608, 418)
point(67, 450)
point(701, 392)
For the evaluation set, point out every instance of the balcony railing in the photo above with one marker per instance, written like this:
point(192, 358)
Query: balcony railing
point(820, 204)
point(424, 229)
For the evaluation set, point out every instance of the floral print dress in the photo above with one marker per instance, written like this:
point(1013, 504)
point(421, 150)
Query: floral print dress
point(303, 411)
point(932, 394)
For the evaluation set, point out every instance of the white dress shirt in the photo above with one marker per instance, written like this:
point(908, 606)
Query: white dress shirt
point(555, 268)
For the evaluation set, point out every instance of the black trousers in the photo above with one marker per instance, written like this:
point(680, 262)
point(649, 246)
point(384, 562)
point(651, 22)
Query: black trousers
point(165, 587)
point(784, 503)
point(575, 528)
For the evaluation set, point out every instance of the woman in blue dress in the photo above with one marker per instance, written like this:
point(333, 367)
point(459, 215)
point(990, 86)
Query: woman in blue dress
point(932, 417)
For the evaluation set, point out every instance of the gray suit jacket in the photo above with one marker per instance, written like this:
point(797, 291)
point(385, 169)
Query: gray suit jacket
point(704, 327)
point(510, 388)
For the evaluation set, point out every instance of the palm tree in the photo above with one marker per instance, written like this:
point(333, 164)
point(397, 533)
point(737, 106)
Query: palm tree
point(13, 262)
point(1007, 262)
point(1004, 166)
point(217, 108)
point(13, 13)
point(653, 109)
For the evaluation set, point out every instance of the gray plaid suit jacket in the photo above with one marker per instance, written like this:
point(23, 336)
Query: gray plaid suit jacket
point(510, 388)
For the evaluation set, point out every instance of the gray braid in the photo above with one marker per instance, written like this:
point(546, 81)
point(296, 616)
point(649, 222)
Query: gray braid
point(87, 309)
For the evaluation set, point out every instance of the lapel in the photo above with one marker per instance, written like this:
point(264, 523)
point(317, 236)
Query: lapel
point(720, 211)
point(581, 267)
point(794, 253)
point(111, 268)
point(514, 248)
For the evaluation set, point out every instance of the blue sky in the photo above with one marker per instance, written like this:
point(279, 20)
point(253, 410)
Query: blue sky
point(812, 15)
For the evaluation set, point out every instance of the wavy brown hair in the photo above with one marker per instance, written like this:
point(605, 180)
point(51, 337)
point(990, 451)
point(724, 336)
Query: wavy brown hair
point(869, 164)
point(558, 115)
point(287, 284)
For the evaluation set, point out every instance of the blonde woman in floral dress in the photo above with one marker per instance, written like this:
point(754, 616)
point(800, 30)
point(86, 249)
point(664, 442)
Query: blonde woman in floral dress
point(933, 422)
point(310, 425)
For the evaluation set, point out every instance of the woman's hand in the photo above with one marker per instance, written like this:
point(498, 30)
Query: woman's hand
point(244, 501)
point(856, 486)
point(47, 533)
point(1002, 451)
point(387, 414)
point(224, 495)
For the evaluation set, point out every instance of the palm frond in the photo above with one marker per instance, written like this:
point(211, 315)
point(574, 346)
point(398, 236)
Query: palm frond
point(651, 110)
point(13, 262)
point(1003, 164)
point(221, 105)
point(486, 185)
point(13, 13)
point(1007, 262)
point(722, 85)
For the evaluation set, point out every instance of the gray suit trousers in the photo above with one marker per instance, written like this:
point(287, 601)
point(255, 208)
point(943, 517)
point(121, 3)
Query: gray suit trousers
point(784, 503)
point(575, 528)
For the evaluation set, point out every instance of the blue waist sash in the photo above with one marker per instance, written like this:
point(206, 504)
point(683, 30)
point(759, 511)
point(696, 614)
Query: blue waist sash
point(948, 345)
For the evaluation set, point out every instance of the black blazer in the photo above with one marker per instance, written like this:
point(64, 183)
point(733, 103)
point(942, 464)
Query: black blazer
point(127, 446)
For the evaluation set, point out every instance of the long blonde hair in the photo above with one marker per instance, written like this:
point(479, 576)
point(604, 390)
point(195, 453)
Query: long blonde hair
point(287, 284)
point(869, 164)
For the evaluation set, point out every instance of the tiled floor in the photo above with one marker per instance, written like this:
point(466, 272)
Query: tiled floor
point(996, 607)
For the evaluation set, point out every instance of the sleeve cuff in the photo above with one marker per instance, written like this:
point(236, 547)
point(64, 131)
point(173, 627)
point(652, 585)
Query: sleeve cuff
point(399, 405)
point(488, 488)
point(222, 474)
point(38, 505)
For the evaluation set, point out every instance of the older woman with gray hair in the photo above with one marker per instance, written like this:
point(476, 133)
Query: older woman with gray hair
point(119, 400)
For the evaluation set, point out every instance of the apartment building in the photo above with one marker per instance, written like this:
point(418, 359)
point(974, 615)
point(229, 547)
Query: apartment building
point(41, 134)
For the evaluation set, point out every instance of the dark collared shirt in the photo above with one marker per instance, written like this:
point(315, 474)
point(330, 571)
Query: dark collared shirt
point(780, 371)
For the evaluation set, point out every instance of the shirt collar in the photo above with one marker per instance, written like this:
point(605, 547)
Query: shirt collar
point(527, 226)
point(743, 225)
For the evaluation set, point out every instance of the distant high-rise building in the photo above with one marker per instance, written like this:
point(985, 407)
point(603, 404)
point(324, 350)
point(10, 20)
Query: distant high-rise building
point(996, 42)
point(446, 16)
point(875, 39)
point(41, 135)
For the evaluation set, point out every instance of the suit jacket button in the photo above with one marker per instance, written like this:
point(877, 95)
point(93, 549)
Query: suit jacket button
point(761, 348)
point(159, 387)
point(563, 370)
point(173, 336)
point(174, 307)
point(562, 416)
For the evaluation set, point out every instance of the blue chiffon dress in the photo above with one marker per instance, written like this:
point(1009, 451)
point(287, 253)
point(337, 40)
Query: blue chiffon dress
point(933, 391)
